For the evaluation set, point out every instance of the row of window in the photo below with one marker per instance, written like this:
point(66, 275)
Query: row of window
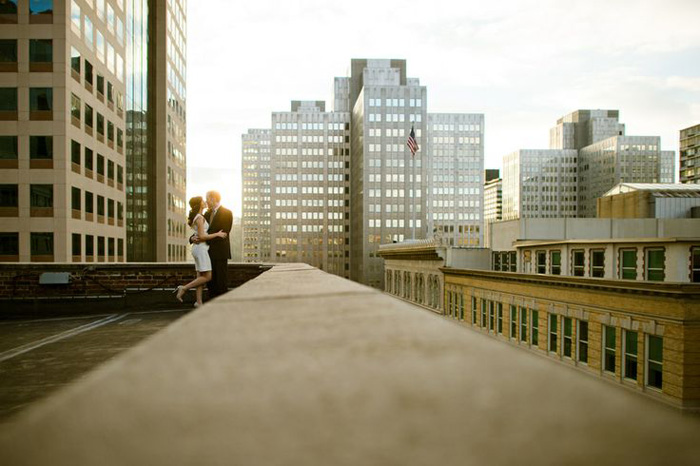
point(35, 7)
point(40, 104)
point(95, 120)
point(98, 164)
point(565, 336)
point(95, 80)
point(40, 53)
point(42, 246)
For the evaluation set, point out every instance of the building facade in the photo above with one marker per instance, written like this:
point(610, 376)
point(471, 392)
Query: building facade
point(62, 131)
point(256, 195)
point(310, 187)
point(493, 201)
point(455, 148)
point(690, 155)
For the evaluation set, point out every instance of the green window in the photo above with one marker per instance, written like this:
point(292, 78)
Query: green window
point(598, 263)
point(553, 333)
point(40, 99)
point(523, 324)
point(628, 260)
point(40, 147)
point(578, 262)
point(513, 321)
point(582, 341)
point(40, 50)
point(8, 148)
point(41, 244)
point(630, 355)
point(535, 328)
point(568, 336)
point(555, 259)
point(609, 348)
point(500, 318)
point(655, 265)
point(655, 348)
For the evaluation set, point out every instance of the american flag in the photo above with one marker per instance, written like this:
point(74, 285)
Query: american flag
point(411, 143)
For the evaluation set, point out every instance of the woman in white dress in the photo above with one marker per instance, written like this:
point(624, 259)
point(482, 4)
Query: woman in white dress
point(200, 251)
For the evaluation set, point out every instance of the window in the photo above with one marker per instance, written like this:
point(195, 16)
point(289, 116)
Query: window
point(40, 147)
point(110, 247)
point(40, 7)
point(75, 108)
point(568, 336)
point(609, 349)
point(513, 261)
point(483, 313)
point(100, 246)
point(500, 318)
point(555, 262)
point(100, 206)
point(100, 124)
point(655, 357)
point(100, 84)
point(9, 196)
point(110, 170)
point(76, 249)
point(110, 131)
point(40, 99)
point(89, 246)
point(582, 336)
point(541, 261)
point(492, 315)
point(89, 159)
point(523, 324)
point(89, 116)
point(8, 99)
point(89, 202)
point(694, 261)
point(628, 264)
point(41, 195)
point(9, 245)
point(655, 265)
point(598, 263)
point(8, 52)
point(40, 51)
point(474, 309)
point(513, 321)
point(100, 164)
point(75, 152)
point(88, 73)
point(577, 262)
point(535, 329)
point(630, 352)
point(75, 62)
point(41, 244)
point(8, 148)
point(75, 198)
point(553, 333)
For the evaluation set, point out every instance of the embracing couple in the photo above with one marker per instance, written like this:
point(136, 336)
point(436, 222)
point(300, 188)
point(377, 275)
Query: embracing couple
point(210, 246)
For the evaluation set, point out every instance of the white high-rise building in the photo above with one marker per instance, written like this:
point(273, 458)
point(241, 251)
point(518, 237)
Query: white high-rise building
point(256, 195)
point(455, 148)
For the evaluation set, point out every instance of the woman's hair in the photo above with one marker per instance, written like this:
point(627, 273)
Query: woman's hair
point(195, 205)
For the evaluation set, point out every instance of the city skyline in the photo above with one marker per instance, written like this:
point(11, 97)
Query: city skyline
point(532, 61)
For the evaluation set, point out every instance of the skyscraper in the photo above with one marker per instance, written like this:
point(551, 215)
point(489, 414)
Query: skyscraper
point(690, 155)
point(62, 130)
point(256, 195)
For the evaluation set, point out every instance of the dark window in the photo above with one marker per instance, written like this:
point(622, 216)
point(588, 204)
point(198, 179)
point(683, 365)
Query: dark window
point(8, 7)
point(89, 159)
point(120, 211)
point(110, 208)
point(40, 147)
point(101, 246)
point(110, 247)
point(89, 116)
point(9, 244)
point(694, 264)
point(110, 169)
point(75, 152)
point(75, 198)
point(100, 205)
point(89, 245)
point(41, 195)
point(120, 174)
point(40, 99)
point(628, 259)
point(568, 336)
point(655, 361)
point(89, 202)
point(523, 324)
point(8, 99)
point(630, 355)
point(110, 130)
point(120, 247)
point(513, 261)
point(535, 327)
point(583, 341)
point(40, 7)
point(598, 263)
point(41, 244)
point(541, 261)
point(8, 148)
point(40, 51)
point(100, 123)
point(513, 321)
point(578, 263)
point(609, 348)
point(75, 106)
point(100, 83)
point(8, 49)
point(553, 333)
point(75, 60)
point(9, 196)
point(88, 73)
point(555, 259)
point(655, 265)
point(76, 244)
point(110, 92)
point(100, 164)
point(120, 137)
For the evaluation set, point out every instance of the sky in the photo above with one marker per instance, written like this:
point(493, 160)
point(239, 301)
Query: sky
point(522, 63)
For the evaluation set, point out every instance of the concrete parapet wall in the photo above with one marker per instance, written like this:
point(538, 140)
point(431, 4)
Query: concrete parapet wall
point(301, 367)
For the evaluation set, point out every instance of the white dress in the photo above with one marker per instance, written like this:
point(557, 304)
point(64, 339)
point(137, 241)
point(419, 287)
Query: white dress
point(200, 251)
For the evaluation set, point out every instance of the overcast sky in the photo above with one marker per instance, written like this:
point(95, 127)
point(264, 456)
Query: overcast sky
point(522, 63)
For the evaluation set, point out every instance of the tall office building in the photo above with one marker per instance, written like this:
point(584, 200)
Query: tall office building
point(256, 195)
point(455, 148)
point(493, 199)
point(589, 154)
point(690, 155)
point(156, 119)
point(62, 130)
point(388, 183)
point(310, 187)
point(80, 148)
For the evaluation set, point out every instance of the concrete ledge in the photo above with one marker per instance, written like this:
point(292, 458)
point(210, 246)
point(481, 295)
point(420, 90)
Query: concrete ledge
point(301, 367)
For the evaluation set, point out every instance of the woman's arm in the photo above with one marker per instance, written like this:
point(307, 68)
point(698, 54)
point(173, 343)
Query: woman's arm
point(203, 235)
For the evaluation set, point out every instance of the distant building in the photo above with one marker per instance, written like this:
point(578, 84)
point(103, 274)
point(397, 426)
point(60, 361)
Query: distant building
point(690, 155)
point(589, 154)
point(650, 200)
point(491, 174)
point(256, 209)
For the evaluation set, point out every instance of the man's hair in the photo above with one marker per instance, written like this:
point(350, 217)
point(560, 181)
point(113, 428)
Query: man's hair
point(214, 195)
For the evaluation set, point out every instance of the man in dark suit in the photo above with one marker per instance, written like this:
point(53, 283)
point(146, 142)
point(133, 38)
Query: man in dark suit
point(219, 218)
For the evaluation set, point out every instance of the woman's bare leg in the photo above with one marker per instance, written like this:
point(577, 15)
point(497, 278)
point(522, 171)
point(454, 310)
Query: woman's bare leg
point(201, 280)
